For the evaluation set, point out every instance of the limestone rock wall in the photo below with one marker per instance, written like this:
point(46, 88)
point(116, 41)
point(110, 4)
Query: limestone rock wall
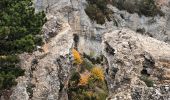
point(44, 71)
point(126, 66)
point(129, 54)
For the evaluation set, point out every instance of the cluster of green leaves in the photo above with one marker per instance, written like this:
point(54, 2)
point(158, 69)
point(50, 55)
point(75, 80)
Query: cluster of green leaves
point(97, 11)
point(142, 7)
point(20, 27)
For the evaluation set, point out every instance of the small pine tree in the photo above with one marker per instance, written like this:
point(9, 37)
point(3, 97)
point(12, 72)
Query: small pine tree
point(19, 27)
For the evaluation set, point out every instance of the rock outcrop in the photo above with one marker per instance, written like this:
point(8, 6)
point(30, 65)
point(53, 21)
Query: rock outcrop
point(134, 57)
point(156, 27)
point(44, 73)
point(137, 64)
point(72, 11)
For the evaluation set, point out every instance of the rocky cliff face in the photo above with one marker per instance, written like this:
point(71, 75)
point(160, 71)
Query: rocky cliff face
point(136, 56)
point(136, 49)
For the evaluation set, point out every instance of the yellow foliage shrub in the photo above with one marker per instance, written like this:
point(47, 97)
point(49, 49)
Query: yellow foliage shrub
point(98, 73)
point(84, 78)
point(77, 56)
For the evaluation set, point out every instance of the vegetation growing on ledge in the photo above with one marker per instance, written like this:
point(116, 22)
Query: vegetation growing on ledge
point(87, 82)
point(77, 56)
point(19, 32)
point(142, 7)
point(97, 11)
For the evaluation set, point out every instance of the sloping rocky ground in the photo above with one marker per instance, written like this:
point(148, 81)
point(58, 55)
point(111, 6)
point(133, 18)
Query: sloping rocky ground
point(136, 52)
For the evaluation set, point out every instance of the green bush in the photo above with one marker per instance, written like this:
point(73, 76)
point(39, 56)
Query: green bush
point(24, 44)
point(87, 82)
point(129, 7)
point(38, 40)
point(97, 11)
point(148, 8)
point(7, 80)
point(9, 59)
point(142, 7)
point(9, 71)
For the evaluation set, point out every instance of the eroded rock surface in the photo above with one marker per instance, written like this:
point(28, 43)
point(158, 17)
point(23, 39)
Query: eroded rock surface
point(129, 55)
point(43, 70)
point(133, 53)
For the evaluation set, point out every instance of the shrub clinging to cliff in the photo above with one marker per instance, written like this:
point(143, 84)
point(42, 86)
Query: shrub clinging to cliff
point(77, 56)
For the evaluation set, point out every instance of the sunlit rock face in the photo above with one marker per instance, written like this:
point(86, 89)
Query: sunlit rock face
point(43, 72)
point(156, 26)
point(72, 11)
point(133, 45)
point(136, 57)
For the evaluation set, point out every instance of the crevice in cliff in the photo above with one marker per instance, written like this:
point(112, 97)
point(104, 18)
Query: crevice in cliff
point(30, 85)
point(64, 64)
point(147, 71)
point(29, 88)
point(109, 49)
point(76, 41)
point(111, 71)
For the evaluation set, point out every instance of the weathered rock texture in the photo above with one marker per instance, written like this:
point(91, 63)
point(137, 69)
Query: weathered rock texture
point(73, 12)
point(129, 55)
point(133, 53)
point(44, 72)
point(157, 27)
